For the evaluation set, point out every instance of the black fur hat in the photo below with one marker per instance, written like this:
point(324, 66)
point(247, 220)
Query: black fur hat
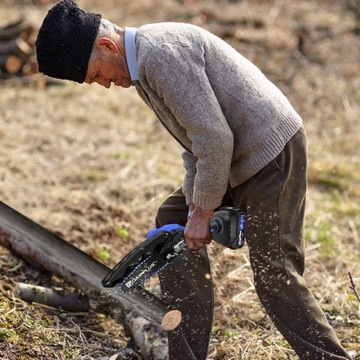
point(65, 41)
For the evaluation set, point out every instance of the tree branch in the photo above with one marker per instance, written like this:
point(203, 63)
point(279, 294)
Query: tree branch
point(353, 286)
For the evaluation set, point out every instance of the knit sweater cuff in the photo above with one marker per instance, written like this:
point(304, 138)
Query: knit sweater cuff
point(188, 197)
point(207, 202)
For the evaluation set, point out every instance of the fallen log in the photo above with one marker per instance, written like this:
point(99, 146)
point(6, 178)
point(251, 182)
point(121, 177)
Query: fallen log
point(56, 298)
point(138, 326)
point(38, 246)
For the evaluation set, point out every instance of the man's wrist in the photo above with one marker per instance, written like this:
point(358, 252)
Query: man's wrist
point(199, 211)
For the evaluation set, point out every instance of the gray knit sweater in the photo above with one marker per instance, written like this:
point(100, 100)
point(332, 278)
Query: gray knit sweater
point(230, 119)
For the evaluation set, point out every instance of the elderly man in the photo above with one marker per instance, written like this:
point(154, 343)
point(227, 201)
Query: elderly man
point(244, 146)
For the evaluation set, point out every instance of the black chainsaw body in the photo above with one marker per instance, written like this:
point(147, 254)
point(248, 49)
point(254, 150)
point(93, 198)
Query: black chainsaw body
point(227, 227)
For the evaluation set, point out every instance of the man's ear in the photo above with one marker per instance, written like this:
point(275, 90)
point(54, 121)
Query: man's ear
point(106, 45)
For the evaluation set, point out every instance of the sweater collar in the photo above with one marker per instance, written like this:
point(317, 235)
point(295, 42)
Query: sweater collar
point(130, 51)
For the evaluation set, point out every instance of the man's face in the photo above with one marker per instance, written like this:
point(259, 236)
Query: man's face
point(105, 70)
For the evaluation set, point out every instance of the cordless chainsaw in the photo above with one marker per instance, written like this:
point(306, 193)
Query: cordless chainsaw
point(167, 245)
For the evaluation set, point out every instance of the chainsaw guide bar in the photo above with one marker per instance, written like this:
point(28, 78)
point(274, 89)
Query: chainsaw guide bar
point(147, 260)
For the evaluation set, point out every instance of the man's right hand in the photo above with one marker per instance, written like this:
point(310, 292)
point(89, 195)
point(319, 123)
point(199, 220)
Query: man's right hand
point(197, 231)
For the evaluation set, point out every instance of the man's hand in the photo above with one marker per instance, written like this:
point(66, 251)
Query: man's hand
point(197, 232)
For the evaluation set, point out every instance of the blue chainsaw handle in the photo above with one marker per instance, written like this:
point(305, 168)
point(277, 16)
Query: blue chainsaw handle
point(167, 227)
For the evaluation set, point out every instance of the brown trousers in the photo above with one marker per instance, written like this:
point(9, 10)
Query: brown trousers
point(274, 200)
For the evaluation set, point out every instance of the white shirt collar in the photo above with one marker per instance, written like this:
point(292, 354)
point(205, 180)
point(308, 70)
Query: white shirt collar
point(130, 51)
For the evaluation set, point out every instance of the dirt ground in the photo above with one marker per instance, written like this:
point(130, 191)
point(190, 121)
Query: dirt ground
point(92, 165)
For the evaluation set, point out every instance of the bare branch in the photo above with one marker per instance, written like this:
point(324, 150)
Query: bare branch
point(353, 286)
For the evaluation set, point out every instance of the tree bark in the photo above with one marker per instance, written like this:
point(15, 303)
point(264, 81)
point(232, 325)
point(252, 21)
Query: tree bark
point(15, 29)
point(16, 46)
point(56, 298)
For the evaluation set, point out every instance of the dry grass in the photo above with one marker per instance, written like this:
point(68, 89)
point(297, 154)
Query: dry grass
point(93, 165)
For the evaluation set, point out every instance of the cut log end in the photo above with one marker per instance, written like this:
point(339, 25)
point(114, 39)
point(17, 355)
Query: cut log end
point(11, 64)
point(171, 320)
